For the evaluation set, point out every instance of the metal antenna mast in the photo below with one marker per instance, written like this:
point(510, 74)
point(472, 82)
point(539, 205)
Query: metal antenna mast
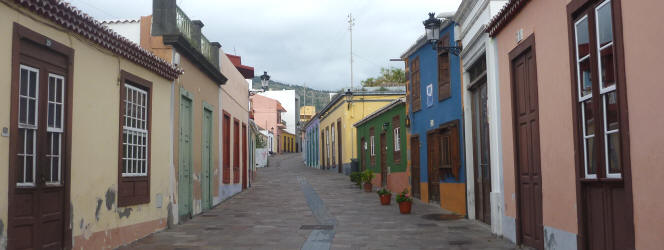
point(351, 23)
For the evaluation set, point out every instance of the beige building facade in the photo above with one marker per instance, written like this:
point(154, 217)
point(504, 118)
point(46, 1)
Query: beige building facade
point(97, 115)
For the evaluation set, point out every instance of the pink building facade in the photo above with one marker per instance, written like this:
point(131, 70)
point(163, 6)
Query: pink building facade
point(582, 149)
point(267, 114)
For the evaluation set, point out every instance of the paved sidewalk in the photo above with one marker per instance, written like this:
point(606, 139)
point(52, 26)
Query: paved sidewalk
point(287, 195)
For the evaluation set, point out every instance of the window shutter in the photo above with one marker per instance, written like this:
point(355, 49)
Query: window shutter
point(415, 82)
point(444, 71)
point(133, 190)
point(396, 154)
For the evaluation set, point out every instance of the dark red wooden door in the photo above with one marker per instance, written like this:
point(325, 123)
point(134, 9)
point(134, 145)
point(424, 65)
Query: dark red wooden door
point(415, 166)
point(244, 157)
point(383, 161)
point(38, 155)
point(323, 159)
point(434, 160)
point(236, 151)
point(482, 165)
point(528, 169)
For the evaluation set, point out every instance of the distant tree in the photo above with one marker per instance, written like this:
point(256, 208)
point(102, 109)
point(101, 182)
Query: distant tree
point(388, 77)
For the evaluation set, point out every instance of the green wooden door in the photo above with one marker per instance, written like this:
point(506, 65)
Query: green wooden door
point(185, 163)
point(206, 163)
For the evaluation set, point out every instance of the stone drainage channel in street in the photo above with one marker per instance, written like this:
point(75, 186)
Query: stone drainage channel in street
point(322, 235)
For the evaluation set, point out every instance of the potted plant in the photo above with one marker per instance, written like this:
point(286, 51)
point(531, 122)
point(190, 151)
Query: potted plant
point(385, 196)
point(356, 177)
point(405, 202)
point(367, 176)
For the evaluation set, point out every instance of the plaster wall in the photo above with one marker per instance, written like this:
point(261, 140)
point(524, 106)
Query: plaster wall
point(477, 43)
point(360, 108)
point(641, 33)
point(548, 21)
point(93, 201)
point(430, 117)
point(234, 100)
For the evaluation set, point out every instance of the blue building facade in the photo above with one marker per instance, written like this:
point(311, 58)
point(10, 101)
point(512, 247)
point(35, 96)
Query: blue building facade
point(436, 112)
point(311, 139)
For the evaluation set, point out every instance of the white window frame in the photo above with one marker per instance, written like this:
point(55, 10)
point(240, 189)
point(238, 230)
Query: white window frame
point(397, 139)
point(55, 130)
point(29, 127)
point(583, 98)
point(135, 133)
point(373, 146)
point(604, 91)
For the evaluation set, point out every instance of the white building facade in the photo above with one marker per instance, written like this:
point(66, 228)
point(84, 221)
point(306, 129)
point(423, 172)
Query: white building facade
point(481, 113)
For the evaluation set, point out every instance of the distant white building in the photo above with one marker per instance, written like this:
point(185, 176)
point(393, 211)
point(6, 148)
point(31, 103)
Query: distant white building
point(291, 102)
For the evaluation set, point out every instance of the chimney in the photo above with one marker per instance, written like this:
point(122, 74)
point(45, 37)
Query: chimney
point(164, 17)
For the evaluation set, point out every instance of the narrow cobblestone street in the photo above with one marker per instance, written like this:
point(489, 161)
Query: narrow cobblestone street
point(288, 195)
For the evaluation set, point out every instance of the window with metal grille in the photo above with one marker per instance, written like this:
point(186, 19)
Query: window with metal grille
point(135, 132)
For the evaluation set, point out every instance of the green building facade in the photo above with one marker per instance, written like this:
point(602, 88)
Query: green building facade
point(384, 128)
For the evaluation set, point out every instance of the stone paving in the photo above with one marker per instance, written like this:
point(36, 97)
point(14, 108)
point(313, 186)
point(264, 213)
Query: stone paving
point(270, 214)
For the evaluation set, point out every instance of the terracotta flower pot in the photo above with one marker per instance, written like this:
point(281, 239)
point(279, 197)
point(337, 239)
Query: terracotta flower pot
point(367, 187)
point(385, 199)
point(404, 207)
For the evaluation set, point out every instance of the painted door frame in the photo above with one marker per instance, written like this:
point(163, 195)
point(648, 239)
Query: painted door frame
point(22, 33)
point(340, 150)
point(185, 199)
point(206, 171)
point(415, 175)
point(527, 45)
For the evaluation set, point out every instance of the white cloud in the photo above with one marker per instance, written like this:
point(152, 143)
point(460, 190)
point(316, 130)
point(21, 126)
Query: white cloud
point(300, 41)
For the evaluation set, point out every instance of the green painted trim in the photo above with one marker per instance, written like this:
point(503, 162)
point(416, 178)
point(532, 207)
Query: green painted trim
point(207, 202)
point(186, 93)
point(208, 107)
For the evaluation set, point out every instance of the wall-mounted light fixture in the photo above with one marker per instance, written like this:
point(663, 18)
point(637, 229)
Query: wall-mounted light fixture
point(349, 97)
point(386, 125)
point(432, 27)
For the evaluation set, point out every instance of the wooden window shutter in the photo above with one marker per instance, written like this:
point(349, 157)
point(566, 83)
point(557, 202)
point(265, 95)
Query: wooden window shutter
point(415, 82)
point(133, 190)
point(396, 154)
point(444, 71)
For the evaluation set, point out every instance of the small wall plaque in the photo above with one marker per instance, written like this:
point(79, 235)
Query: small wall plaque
point(5, 132)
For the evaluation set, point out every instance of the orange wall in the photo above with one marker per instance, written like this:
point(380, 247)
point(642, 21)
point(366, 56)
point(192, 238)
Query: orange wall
point(642, 34)
point(548, 20)
point(643, 53)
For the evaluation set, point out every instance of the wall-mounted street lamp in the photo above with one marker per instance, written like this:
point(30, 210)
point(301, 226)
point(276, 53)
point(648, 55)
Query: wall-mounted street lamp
point(432, 27)
point(349, 97)
point(265, 80)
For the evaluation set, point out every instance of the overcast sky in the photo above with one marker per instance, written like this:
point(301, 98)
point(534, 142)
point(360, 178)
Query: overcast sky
point(300, 42)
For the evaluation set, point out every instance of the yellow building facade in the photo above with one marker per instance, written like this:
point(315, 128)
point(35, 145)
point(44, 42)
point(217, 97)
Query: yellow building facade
point(286, 142)
point(338, 136)
point(306, 113)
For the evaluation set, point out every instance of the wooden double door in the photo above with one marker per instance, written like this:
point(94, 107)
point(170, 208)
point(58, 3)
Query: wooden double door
point(39, 153)
point(481, 154)
point(444, 159)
